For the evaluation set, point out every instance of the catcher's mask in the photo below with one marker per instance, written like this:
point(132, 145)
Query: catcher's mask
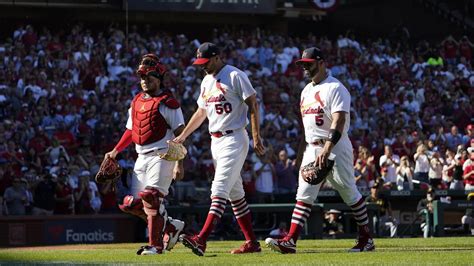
point(150, 65)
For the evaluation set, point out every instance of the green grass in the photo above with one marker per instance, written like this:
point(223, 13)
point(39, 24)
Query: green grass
point(413, 251)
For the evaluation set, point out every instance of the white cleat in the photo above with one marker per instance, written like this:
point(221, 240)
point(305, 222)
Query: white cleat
point(148, 250)
point(171, 237)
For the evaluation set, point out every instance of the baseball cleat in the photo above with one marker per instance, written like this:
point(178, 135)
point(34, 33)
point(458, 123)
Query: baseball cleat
point(248, 247)
point(148, 250)
point(194, 243)
point(283, 246)
point(172, 232)
point(363, 245)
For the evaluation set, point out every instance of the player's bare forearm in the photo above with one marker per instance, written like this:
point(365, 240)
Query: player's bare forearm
point(194, 123)
point(254, 115)
point(255, 124)
point(338, 122)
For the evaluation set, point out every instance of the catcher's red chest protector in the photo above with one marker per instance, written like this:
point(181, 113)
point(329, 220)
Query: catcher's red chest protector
point(148, 124)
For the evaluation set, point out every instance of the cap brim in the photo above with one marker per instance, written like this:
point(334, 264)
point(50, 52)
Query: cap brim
point(305, 60)
point(200, 61)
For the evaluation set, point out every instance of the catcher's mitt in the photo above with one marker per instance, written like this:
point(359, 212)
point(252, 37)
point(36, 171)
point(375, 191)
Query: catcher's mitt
point(176, 151)
point(109, 170)
point(312, 174)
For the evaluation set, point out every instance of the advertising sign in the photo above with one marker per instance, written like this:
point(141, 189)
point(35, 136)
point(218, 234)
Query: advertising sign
point(214, 6)
point(76, 231)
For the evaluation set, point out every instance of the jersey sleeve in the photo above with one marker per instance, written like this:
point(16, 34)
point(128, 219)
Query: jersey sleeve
point(341, 100)
point(200, 101)
point(174, 117)
point(129, 120)
point(242, 85)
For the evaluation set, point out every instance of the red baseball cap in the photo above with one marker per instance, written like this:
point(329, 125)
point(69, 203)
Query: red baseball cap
point(310, 55)
point(470, 127)
point(206, 51)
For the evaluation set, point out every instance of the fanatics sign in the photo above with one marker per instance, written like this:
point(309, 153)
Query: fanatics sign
point(214, 6)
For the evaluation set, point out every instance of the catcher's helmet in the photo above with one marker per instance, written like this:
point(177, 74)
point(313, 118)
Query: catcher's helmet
point(150, 65)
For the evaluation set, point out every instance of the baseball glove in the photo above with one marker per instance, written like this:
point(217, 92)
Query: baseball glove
point(176, 151)
point(314, 175)
point(109, 170)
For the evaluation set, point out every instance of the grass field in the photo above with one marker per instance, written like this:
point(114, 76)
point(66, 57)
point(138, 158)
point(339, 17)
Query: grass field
point(413, 251)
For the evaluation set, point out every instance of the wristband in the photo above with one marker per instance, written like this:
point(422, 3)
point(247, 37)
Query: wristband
point(334, 136)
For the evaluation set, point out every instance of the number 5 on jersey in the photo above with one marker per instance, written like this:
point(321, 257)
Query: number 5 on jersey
point(319, 119)
point(221, 108)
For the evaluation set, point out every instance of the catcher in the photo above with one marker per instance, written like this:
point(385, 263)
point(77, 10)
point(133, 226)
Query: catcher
point(154, 118)
point(325, 107)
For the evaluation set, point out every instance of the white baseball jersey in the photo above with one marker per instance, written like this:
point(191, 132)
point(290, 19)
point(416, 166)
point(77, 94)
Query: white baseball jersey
point(223, 97)
point(174, 118)
point(319, 102)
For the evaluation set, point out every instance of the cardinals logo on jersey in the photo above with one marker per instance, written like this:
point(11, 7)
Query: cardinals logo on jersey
point(318, 99)
point(215, 94)
point(219, 86)
point(311, 108)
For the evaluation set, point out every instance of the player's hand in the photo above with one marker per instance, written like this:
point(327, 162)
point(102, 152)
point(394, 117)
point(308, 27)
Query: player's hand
point(258, 146)
point(178, 171)
point(111, 154)
point(322, 159)
point(179, 139)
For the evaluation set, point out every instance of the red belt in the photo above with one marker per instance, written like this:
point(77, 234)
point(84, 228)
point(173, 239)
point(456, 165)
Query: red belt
point(219, 134)
point(319, 142)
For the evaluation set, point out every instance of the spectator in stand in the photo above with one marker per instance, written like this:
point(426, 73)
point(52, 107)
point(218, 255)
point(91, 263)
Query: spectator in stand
point(264, 170)
point(361, 175)
point(436, 171)
point(108, 196)
point(29, 196)
point(404, 174)
point(448, 166)
point(465, 48)
point(469, 136)
point(64, 195)
point(450, 48)
point(457, 182)
point(84, 195)
point(468, 152)
point(16, 198)
point(44, 196)
point(248, 181)
point(285, 172)
point(468, 174)
point(389, 162)
point(55, 151)
point(422, 163)
point(439, 136)
point(453, 138)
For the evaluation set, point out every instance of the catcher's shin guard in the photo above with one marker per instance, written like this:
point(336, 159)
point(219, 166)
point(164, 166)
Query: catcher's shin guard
point(156, 215)
point(133, 206)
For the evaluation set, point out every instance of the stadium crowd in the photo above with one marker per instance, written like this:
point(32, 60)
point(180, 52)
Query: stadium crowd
point(64, 97)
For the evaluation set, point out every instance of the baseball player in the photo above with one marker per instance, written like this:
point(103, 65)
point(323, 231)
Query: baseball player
point(154, 117)
point(325, 105)
point(226, 95)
